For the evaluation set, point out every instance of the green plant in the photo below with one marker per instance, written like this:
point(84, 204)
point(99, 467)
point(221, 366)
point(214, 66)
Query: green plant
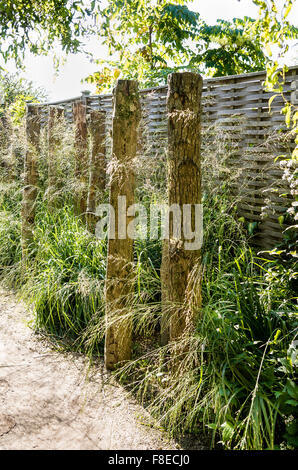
point(15, 91)
point(64, 281)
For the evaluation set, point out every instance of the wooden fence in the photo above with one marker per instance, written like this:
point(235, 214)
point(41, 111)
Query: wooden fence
point(237, 105)
point(172, 122)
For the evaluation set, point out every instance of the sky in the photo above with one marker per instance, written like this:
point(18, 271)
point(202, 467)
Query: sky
point(77, 67)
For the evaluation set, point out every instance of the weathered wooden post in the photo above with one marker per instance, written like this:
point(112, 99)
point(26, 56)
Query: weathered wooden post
point(6, 154)
point(97, 175)
point(82, 160)
point(119, 281)
point(33, 123)
point(12, 176)
point(55, 114)
point(184, 171)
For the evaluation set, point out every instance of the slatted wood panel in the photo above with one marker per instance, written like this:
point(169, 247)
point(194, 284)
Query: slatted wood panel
point(238, 106)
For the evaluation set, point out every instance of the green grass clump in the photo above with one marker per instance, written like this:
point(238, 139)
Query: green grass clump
point(65, 278)
point(10, 234)
point(10, 251)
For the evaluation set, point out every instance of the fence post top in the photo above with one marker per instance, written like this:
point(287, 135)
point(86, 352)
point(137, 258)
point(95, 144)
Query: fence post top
point(122, 81)
point(185, 73)
point(127, 86)
point(184, 76)
point(33, 108)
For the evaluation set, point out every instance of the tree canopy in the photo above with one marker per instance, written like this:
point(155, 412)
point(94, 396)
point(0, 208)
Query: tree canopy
point(229, 48)
point(14, 92)
point(147, 40)
point(36, 25)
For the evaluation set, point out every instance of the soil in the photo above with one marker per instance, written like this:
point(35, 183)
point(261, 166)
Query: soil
point(51, 400)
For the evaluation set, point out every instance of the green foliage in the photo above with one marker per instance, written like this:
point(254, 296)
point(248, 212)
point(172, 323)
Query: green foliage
point(247, 338)
point(37, 25)
point(248, 326)
point(12, 86)
point(288, 402)
point(148, 39)
point(14, 92)
point(229, 48)
point(65, 281)
point(10, 249)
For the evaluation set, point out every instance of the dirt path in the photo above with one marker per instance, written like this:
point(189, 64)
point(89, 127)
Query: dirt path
point(47, 403)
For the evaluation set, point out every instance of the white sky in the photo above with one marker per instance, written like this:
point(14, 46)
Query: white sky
point(68, 83)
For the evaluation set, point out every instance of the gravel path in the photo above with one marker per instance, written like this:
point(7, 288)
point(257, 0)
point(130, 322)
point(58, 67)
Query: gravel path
point(46, 401)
